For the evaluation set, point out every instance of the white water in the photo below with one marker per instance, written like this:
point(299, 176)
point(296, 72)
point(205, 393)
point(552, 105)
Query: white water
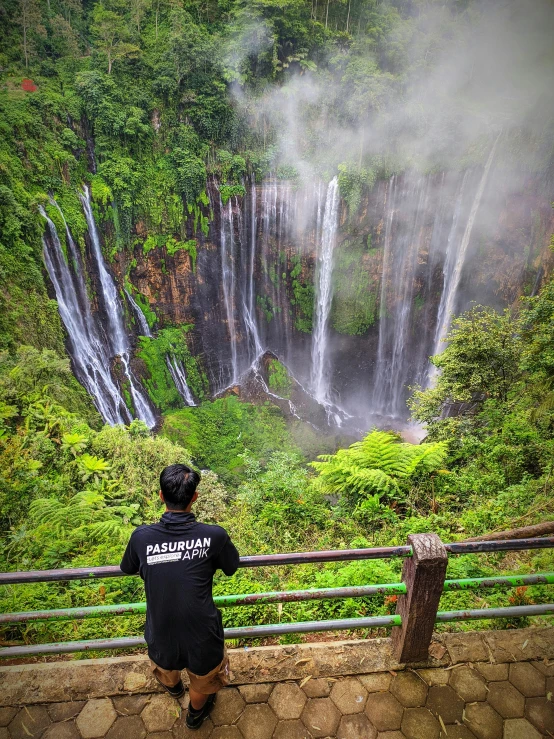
point(177, 372)
point(141, 318)
point(227, 240)
point(324, 294)
point(90, 360)
point(115, 329)
point(455, 260)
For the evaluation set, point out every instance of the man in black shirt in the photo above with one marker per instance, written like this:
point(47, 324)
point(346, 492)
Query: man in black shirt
point(177, 558)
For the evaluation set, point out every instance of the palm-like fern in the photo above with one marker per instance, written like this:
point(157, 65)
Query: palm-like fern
point(376, 465)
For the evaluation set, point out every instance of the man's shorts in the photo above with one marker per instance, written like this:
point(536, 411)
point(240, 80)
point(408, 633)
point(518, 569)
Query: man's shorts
point(216, 679)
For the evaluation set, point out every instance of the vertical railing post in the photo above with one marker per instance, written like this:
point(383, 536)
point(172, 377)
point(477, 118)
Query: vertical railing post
point(424, 574)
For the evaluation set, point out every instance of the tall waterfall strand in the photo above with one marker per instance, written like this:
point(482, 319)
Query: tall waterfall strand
point(116, 333)
point(177, 372)
point(324, 295)
point(227, 240)
point(139, 315)
point(88, 353)
point(454, 266)
point(403, 240)
point(250, 321)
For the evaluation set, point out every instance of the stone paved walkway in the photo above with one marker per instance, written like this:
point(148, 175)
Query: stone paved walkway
point(480, 700)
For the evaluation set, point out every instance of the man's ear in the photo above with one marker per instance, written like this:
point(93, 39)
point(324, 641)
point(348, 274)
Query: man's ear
point(162, 497)
point(194, 497)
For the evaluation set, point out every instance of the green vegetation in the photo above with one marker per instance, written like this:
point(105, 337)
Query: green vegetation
point(157, 380)
point(303, 300)
point(279, 379)
point(356, 287)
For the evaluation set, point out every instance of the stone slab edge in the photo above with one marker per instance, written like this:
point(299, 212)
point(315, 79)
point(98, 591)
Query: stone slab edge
point(51, 682)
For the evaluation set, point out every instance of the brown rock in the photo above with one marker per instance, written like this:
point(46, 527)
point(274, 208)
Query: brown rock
point(224, 732)
point(228, 707)
point(181, 730)
point(161, 735)
point(31, 721)
point(96, 718)
point(63, 730)
point(321, 717)
point(483, 721)
point(63, 711)
point(291, 730)
point(435, 676)
point(545, 667)
point(356, 726)
point(126, 727)
point(129, 705)
point(317, 688)
point(419, 723)
point(493, 672)
point(390, 735)
point(257, 721)
point(459, 732)
point(4, 732)
point(469, 684)
point(540, 712)
point(160, 713)
point(384, 711)
point(375, 682)
point(287, 701)
point(349, 696)
point(506, 700)
point(256, 693)
point(527, 679)
point(444, 702)
point(520, 728)
point(409, 688)
point(6, 715)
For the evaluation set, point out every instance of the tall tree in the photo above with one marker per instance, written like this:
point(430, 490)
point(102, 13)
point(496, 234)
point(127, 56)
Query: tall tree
point(111, 34)
point(30, 21)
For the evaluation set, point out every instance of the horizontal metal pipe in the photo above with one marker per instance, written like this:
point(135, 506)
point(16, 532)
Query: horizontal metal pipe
point(508, 612)
point(285, 596)
point(244, 632)
point(272, 560)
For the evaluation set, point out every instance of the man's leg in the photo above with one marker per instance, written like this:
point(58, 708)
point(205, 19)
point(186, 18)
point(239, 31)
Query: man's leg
point(170, 679)
point(197, 700)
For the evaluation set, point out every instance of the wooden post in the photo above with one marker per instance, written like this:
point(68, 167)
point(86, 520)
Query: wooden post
point(424, 573)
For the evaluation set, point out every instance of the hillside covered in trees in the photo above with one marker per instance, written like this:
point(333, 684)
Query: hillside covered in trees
point(170, 113)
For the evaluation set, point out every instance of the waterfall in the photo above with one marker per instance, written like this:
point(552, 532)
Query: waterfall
point(324, 294)
point(227, 243)
point(90, 360)
point(115, 328)
point(139, 315)
point(403, 240)
point(455, 259)
point(249, 304)
point(177, 372)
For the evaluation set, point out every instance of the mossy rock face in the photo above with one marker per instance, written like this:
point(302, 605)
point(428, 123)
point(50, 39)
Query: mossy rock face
point(356, 294)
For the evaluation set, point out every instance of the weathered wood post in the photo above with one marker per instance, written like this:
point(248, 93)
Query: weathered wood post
point(424, 573)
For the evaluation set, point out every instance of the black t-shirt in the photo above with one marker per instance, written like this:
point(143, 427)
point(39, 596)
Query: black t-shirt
point(177, 558)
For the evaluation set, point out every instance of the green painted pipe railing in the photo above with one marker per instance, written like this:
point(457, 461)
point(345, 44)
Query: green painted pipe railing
point(64, 614)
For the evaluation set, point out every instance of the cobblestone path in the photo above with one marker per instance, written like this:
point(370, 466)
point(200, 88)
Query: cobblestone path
point(467, 701)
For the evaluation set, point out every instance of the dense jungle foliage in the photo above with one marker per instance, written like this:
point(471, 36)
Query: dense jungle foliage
point(72, 489)
point(140, 100)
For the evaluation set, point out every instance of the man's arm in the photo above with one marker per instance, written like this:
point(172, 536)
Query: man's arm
point(130, 563)
point(228, 558)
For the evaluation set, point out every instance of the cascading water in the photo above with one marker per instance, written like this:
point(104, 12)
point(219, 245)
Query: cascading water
point(455, 260)
point(115, 328)
point(227, 243)
point(139, 315)
point(88, 352)
point(324, 294)
point(177, 372)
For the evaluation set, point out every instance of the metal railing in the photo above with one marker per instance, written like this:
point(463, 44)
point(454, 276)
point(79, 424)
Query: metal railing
point(417, 609)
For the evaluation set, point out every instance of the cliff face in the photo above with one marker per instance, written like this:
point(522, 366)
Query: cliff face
point(397, 264)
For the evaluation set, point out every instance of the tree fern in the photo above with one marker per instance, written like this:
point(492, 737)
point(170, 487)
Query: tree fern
point(376, 465)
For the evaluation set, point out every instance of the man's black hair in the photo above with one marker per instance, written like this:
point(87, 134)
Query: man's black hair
point(178, 484)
